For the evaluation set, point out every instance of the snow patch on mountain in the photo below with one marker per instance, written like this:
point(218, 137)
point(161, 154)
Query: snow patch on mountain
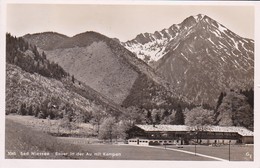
point(153, 50)
point(222, 28)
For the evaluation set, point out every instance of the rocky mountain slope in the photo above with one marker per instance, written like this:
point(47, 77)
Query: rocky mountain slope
point(106, 66)
point(32, 80)
point(199, 56)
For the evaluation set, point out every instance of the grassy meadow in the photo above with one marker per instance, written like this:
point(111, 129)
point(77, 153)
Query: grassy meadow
point(25, 142)
point(29, 138)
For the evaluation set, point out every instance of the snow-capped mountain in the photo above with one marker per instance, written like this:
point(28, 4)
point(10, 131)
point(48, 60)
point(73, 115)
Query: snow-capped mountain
point(152, 46)
point(199, 56)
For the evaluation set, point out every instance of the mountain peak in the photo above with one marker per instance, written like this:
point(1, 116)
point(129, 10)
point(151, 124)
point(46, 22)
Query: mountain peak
point(199, 46)
point(199, 17)
point(45, 40)
point(50, 33)
point(158, 39)
point(194, 20)
point(82, 40)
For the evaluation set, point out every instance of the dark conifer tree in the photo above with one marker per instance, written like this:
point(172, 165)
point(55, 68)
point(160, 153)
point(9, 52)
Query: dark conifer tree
point(220, 98)
point(250, 96)
point(22, 110)
point(149, 117)
point(165, 113)
point(73, 79)
point(157, 118)
point(179, 117)
point(43, 55)
point(219, 102)
point(36, 111)
point(30, 110)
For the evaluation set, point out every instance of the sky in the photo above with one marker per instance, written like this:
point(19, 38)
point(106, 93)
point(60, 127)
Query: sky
point(121, 21)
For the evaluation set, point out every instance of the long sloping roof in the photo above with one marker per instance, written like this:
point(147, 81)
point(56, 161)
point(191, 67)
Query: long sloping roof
point(161, 128)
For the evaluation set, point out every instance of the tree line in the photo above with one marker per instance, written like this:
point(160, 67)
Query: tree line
point(232, 109)
point(235, 108)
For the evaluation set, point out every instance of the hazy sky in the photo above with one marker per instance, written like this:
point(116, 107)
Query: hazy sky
point(121, 21)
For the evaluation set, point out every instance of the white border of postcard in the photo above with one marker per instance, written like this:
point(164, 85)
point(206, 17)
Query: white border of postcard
point(6, 163)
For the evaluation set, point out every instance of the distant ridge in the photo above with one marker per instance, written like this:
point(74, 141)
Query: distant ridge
point(45, 40)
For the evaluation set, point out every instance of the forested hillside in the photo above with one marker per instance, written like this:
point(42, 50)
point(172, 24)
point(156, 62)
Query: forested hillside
point(21, 53)
point(39, 87)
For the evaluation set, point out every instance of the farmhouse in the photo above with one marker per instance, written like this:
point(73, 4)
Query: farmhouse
point(182, 134)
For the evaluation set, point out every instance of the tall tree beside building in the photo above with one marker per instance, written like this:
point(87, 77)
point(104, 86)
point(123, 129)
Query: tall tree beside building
point(156, 116)
point(199, 117)
point(220, 99)
point(149, 119)
point(134, 114)
point(235, 111)
point(123, 128)
point(108, 129)
point(179, 117)
point(170, 119)
point(97, 116)
point(199, 120)
point(250, 96)
point(219, 102)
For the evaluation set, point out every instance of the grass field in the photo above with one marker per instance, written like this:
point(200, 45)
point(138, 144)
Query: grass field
point(128, 152)
point(237, 152)
point(51, 126)
point(23, 142)
point(26, 137)
point(20, 138)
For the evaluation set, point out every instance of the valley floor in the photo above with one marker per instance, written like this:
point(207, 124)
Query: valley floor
point(26, 138)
